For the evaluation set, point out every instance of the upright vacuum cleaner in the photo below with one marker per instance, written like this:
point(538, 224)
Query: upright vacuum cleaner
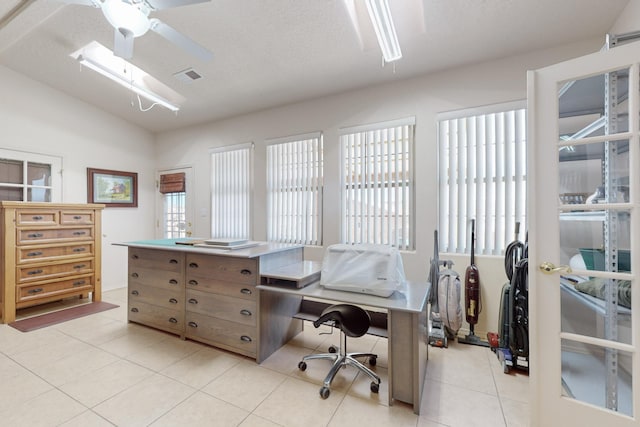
point(513, 344)
point(472, 295)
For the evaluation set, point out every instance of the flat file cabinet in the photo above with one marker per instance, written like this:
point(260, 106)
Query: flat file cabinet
point(204, 294)
point(49, 252)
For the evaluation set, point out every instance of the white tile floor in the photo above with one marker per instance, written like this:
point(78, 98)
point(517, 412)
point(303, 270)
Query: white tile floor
point(102, 371)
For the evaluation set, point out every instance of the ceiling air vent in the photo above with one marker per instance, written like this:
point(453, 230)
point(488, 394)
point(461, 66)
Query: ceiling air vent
point(187, 76)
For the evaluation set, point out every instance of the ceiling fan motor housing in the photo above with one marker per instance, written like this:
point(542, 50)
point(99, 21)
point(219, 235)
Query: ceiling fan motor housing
point(132, 18)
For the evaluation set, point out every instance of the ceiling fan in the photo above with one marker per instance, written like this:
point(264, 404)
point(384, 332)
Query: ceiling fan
point(130, 19)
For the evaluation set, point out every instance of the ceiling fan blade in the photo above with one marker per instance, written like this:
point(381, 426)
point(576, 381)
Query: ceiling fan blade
point(167, 4)
point(180, 40)
point(123, 43)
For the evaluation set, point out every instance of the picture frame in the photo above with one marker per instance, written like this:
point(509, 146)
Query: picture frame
point(115, 189)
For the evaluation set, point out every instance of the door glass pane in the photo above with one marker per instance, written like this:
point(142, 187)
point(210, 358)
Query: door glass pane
point(11, 194)
point(587, 377)
point(582, 173)
point(582, 105)
point(10, 171)
point(174, 215)
point(38, 195)
point(582, 239)
point(38, 174)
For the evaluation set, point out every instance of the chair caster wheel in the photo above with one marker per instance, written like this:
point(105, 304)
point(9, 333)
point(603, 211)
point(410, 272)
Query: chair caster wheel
point(375, 387)
point(373, 361)
point(333, 349)
point(324, 392)
point(302, 366)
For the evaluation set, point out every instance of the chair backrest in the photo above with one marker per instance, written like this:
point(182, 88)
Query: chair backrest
point(351, 319)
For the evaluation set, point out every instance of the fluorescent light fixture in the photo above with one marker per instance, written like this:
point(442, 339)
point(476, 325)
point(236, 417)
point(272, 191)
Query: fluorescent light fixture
point(385, 31)
point(101, 60)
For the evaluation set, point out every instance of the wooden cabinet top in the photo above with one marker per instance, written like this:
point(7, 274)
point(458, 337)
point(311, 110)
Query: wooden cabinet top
point(47, 205)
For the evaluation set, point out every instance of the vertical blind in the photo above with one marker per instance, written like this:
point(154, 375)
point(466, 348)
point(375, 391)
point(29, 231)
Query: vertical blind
point(231, 191)
point(378, 184)
point(294, 189)
point(482, 176)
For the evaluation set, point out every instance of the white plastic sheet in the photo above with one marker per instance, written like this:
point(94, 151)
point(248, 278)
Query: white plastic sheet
point(364, 268)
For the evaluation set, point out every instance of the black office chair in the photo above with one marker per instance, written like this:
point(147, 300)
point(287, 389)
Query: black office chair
point(354, 322)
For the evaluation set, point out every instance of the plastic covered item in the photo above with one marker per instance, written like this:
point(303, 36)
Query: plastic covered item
point(363, 268)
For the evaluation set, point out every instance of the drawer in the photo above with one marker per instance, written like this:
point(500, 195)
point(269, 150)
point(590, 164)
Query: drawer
point(42, 290)
point(156, 260)
point(76, 217)
point(241, 338)
point(156, 316)
point(42, 253)
point(157, 278)
point(237, 290)
point(171, 299)
point(223, 268)
point(222, 307)
point(54, 234)
point(28, 273)
point(40, 217)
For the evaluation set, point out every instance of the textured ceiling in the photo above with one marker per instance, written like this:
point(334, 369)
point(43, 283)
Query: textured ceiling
point(274, 52)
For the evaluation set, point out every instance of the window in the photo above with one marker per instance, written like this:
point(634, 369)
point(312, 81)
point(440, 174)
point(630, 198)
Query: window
point(294, 189)
point(482, 176)
point(378, 184)
point(29, 177)
point(231, 191)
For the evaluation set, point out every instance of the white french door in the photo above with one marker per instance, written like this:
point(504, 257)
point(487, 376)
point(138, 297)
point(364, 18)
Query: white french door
point(584, 236)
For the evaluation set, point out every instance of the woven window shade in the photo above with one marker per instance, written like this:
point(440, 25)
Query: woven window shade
point(172, 183)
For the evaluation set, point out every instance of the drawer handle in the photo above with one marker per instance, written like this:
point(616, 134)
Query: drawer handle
point(173, 282)
point(193, 265)
point(80, 266)
point(34, 272)
point(246, 338)
point(246, 291)
point(35, 235)
point(77, 217)
point(79, 283)
point(193, 282)
point(34, 253)
point(193, 301)
point(134, 292)
point(245, 312)
point(134, 256)
point(173, 301)
point(79, 233)
point(134, 275)
point(79, 249)
point(134, 310)
point(173, 261)
point(193, 324)
point(37, 217)
point(35, 291)
point(173, 320)
point(245, 272)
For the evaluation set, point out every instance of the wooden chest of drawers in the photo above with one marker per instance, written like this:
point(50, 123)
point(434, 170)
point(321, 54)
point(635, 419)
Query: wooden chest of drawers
point(49, 252)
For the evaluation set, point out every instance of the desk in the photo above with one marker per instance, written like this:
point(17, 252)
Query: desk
point(406, 328)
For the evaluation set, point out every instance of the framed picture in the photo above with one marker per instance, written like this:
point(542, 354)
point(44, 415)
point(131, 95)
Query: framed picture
point(113, 188)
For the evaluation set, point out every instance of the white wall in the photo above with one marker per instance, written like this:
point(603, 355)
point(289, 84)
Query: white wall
point(36, 118)
point(423, 97)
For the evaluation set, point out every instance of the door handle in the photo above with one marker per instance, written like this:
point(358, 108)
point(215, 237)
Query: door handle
point(550, 268)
